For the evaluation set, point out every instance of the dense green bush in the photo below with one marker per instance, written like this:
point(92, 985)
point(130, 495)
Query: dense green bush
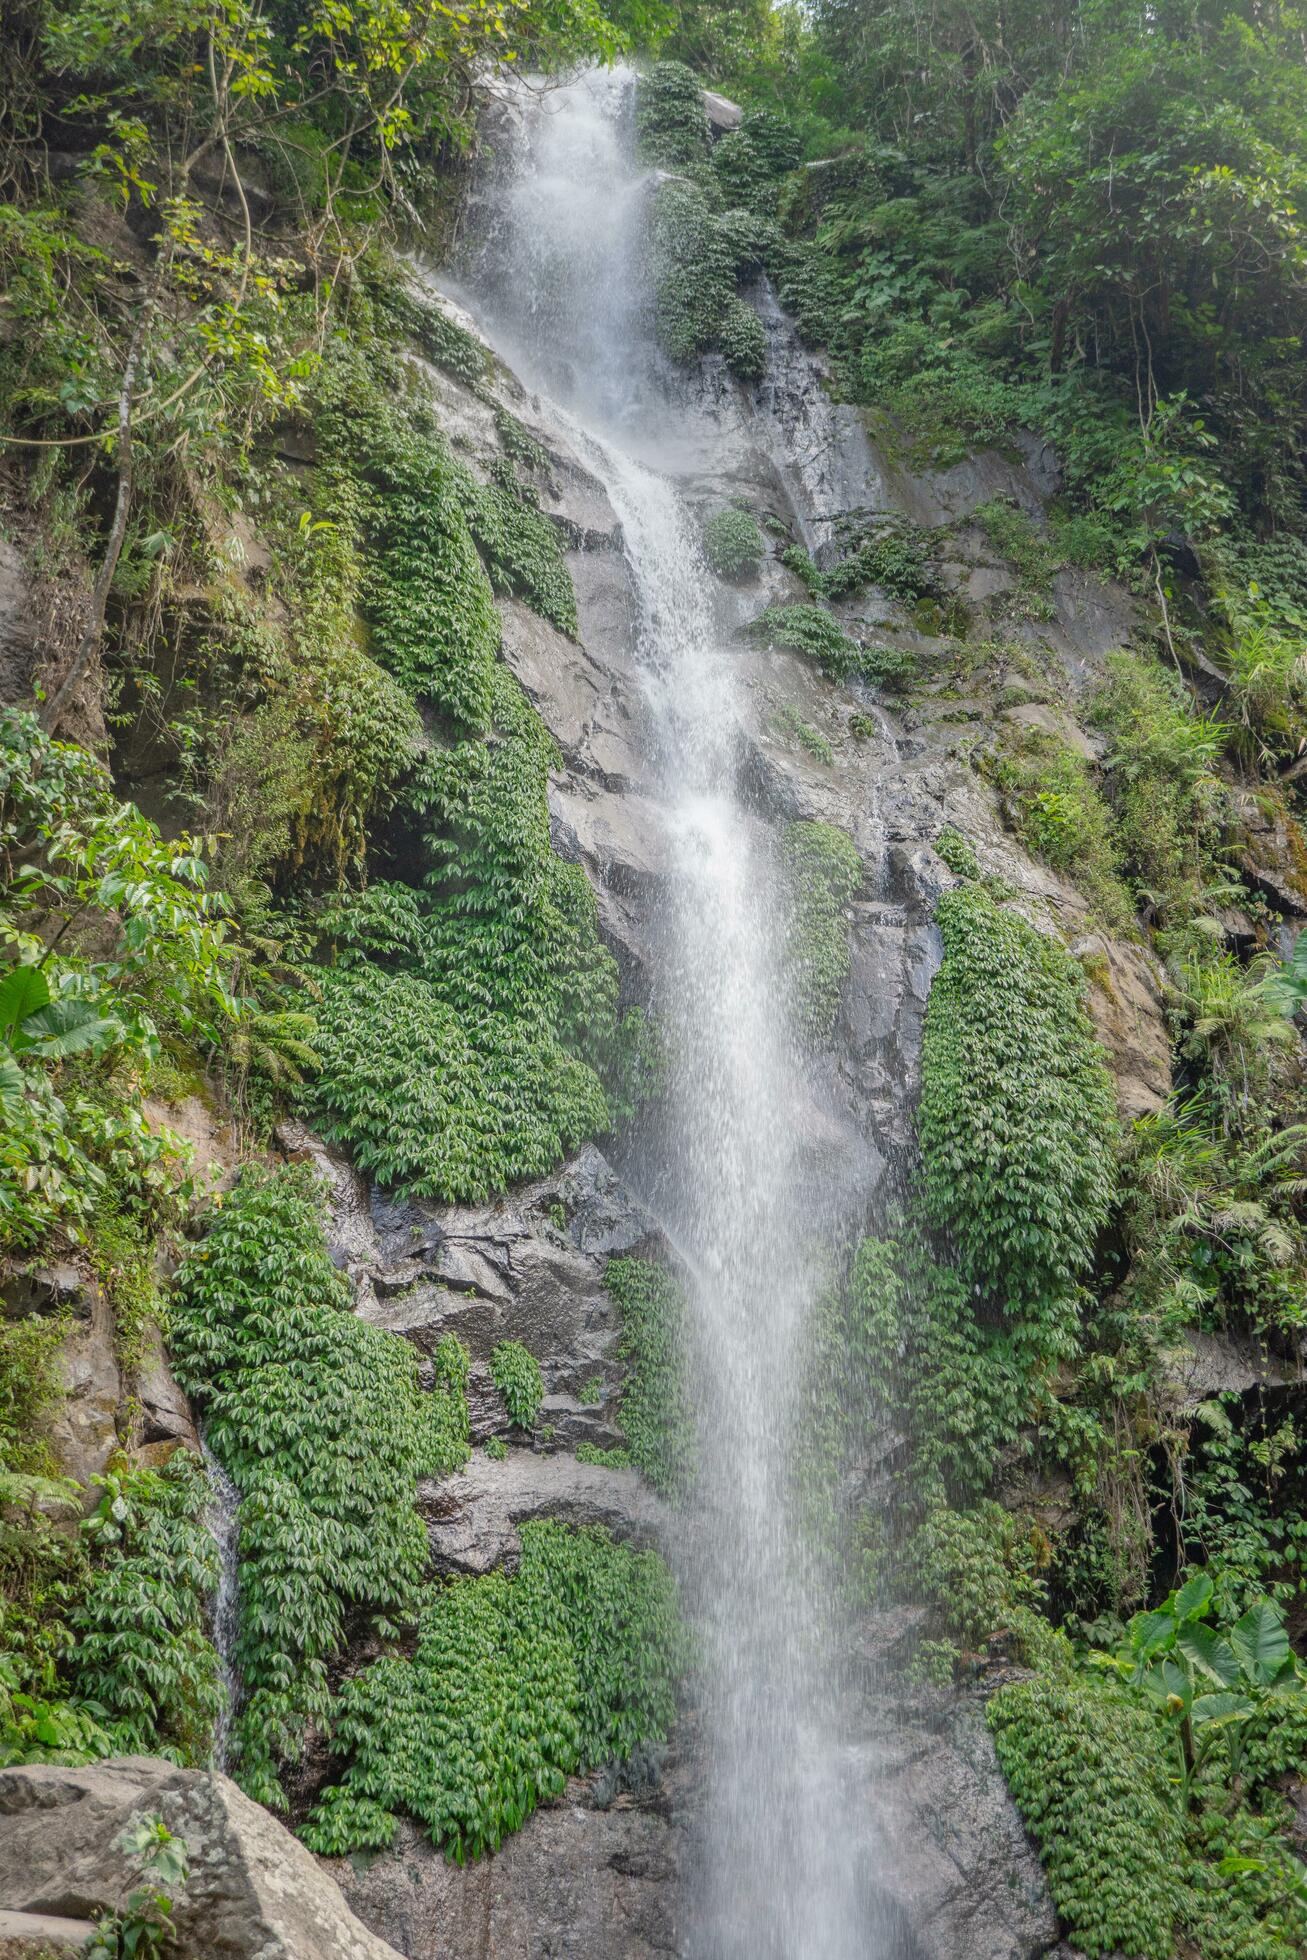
point(654, 1410)
point(142, 1655)
point(1060, 815)
point(822, 871)
point(670, 124)
point(471, 1057)
point(318, 1419)
point(1017, 1119)
point(520, 547)
point(515, 1683)
point(813, 632)
point(733, 543)
point(1089, 1777)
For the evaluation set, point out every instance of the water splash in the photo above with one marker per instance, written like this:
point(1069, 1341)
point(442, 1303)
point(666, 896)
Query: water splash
point(224, 1523)
point(559, 285)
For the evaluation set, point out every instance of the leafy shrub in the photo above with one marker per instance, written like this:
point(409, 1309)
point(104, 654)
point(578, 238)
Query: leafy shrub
point(822, 871)
point(618, 1459)
point(474, 1063)
point(516, 1374)
point(1060, 815)
point(520, 547)
point(1089, 1776)
point(743, 341)
point(693, 268)
point(1169, 801)
point(654, 1409)
point(788, 721)
point(318, 1419)
point(1017, 1118)
point(958, 853)
point(670, 123)
point(143, 1655)
point(980, 1573)
point(813, 632)
point(733, 543)
point(515, 1684)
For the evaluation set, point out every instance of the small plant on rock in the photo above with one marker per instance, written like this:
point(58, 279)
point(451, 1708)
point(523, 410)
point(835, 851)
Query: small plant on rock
point(516, 1374)
point(733, 543)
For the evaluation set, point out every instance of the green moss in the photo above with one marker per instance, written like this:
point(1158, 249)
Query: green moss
point(654, 1409)
point(515, 1683)
point(822, 871)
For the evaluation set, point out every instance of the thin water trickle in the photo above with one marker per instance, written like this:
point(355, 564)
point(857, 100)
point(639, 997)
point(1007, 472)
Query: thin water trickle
point(559, 285)
point(223, 1521)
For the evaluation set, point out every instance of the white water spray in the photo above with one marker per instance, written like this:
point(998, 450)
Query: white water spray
point(559, 288)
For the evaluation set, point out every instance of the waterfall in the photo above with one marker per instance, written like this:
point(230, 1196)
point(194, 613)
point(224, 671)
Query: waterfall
point(224, 1523)
point(559, 288)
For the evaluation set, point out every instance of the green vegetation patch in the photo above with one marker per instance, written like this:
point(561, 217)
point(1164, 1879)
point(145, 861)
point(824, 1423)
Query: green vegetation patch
point(671, 125)
point(516, 1374)
point(520, 547)
point(514, 1685)
point(318, 1419)
point(733, 543)
point(654, 1410)
point(1017, 1117)
point(821, 871)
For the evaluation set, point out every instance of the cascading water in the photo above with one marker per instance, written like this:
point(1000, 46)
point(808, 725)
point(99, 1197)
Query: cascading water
point(224, 1523)
point(558, 287)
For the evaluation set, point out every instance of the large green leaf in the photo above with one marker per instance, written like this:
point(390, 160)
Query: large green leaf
point(23, 991)
point(1260, 1641)
point(65, 1027)
point(1210, 1653)
point(1194, 1597)
point(1221, 1708)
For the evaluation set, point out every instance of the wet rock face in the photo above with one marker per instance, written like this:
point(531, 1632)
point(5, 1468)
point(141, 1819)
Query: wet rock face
point(591, 1884)
point(254, 1892)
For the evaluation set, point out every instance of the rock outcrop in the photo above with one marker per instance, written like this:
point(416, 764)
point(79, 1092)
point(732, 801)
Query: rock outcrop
point(254, 1892)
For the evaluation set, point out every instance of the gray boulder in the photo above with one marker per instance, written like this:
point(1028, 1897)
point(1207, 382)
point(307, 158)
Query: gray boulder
point(254, 1892)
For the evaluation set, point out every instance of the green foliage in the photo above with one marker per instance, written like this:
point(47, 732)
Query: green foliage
point(1205, 1684)
point(958, 853)
point(605, 1459)
point(787, 721)
point(318, 1419)
point(1060, 815)
point(128, 942)
point(733, 543)
point(822, 871)
point(1088, 1773)
point(470, 1057)
point(515, 1683)
point(516, 1374)
point(743, 341)
point(1017, 1118)
point(142, 1926)
point(981, 1574)
point(496, 1448)
point(1010, 532)
point(670, 123)
point(813, 632)
point(521, 548)
point(654, 1410)
point(1161, 776)
point(142, 1654)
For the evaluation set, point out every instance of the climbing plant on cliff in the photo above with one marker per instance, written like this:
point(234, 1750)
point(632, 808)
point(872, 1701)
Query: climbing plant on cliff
point(319, 1421)
point(1017, 1117)
point(515, 1684)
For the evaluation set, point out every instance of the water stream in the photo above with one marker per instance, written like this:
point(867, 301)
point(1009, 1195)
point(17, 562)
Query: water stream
point(559, 286)
point(223, 1521)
